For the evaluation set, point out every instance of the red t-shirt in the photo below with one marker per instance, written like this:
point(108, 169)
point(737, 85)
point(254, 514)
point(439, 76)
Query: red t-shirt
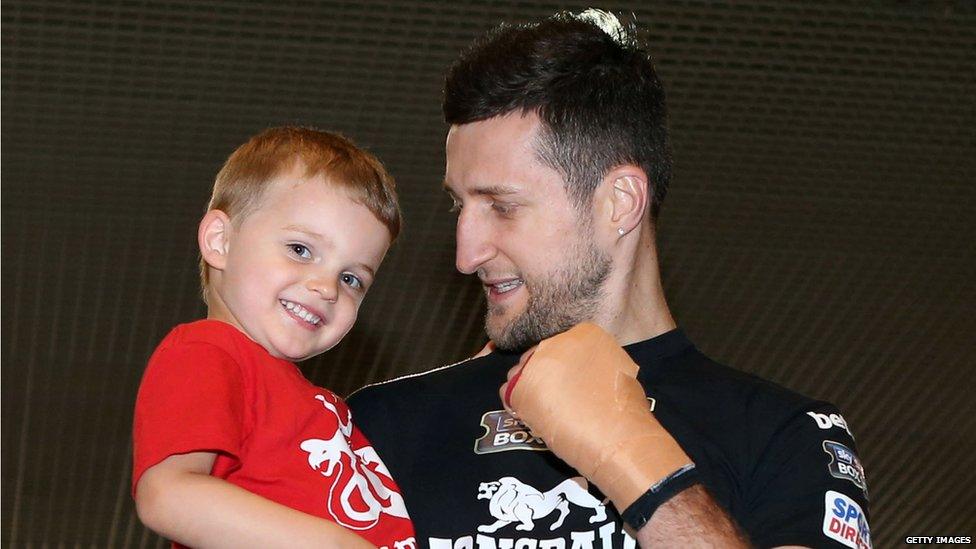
point(209, 388)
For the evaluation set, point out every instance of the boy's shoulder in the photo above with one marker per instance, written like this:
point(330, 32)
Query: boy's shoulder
point(206, 332)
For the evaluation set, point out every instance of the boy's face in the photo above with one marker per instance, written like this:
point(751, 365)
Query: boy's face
point(293, 274)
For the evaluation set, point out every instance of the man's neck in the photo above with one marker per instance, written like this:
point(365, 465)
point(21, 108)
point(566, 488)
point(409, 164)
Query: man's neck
point(635, 308)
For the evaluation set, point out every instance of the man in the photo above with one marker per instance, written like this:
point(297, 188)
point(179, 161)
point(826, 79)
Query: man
point(558, 161)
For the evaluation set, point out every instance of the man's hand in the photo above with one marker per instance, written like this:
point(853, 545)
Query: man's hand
point(578, 391)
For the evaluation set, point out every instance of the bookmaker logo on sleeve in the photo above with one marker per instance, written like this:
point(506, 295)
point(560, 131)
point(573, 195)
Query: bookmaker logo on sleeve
point(829, 421)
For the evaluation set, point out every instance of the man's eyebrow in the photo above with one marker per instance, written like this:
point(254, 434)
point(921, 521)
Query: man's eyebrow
point(483, 190)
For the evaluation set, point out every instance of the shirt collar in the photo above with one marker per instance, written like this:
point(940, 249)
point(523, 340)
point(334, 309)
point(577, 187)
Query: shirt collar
point(659, 347)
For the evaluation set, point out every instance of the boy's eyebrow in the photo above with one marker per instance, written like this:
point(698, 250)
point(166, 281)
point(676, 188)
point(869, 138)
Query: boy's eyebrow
point(306, 230)
point(367, 268)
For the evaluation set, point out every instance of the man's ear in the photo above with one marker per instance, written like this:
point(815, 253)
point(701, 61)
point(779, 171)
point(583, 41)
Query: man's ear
point(627, 197)
point(213, 236)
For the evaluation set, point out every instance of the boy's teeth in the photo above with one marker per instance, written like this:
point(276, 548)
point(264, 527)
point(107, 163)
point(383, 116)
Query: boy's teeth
point(300, 311)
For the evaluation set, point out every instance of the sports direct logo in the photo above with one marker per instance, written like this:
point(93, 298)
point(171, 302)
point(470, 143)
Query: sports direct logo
point(844, 521)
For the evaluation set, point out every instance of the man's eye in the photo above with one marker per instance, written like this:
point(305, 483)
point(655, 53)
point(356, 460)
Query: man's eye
point(351, 280)
point(503, 208)
point(455, 207)
point(300, 250)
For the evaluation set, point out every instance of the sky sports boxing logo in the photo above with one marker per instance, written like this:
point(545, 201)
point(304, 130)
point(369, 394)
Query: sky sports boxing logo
point(845, 464)
point(845, 522)
point(503, 432)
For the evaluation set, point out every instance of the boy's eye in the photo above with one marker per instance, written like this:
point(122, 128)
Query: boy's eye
point(351, 280)
point(301, 251)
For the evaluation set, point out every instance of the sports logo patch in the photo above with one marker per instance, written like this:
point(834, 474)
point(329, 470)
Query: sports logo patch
point(504, 432)
point(513, 501)
point(844, 463)
point(829, 421)
point(844, 521)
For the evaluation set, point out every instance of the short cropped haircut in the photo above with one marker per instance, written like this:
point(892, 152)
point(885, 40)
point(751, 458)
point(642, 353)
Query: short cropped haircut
point(244, 178)
point(593, 86)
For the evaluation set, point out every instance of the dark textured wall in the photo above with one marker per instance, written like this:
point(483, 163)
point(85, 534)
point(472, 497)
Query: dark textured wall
point(820, 230)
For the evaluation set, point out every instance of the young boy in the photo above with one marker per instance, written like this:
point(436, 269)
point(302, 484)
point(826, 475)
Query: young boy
point(233, 446)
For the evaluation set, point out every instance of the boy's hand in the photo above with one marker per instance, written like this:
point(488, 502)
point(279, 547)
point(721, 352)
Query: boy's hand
point(578, 392)
point(180, 500)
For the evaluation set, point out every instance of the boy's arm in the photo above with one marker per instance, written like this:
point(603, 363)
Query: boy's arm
point(180, 500)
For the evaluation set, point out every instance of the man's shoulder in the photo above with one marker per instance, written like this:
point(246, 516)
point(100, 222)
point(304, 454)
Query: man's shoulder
point(702, 387)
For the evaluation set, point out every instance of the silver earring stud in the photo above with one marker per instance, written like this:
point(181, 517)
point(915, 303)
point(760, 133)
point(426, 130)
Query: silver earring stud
point(621, 231)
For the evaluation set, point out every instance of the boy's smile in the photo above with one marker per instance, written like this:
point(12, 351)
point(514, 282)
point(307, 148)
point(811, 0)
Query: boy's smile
point(293, 273)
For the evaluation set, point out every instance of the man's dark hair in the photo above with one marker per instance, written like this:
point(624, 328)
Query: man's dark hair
point(595, 91)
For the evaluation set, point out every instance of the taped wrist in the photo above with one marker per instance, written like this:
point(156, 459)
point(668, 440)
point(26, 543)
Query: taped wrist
point(641, 511)
point(579, 393)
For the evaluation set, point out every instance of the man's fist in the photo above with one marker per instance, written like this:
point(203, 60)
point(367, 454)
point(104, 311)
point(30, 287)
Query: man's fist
point(578, 391)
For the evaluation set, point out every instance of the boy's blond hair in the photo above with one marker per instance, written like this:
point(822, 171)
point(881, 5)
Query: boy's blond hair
point(245, 176)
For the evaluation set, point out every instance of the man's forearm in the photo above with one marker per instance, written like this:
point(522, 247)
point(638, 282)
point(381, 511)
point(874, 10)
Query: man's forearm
point(692, 518)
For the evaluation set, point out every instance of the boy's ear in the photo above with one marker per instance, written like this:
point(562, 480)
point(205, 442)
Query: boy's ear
point(213, 236)
point(627, 198)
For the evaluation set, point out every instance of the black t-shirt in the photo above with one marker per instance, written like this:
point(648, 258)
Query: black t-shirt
point(784, 466)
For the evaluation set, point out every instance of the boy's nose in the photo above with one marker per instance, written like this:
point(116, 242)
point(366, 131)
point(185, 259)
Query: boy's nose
point(325, 287)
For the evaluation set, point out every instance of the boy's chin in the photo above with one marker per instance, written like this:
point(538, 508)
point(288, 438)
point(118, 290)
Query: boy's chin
point(297, 353)
point(296, 356)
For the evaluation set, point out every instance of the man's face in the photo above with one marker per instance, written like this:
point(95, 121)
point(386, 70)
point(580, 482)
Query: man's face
point(518, 230)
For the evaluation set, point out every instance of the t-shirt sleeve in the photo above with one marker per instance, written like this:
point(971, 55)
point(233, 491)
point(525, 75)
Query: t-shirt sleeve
point(809, 487)
point(190, 400)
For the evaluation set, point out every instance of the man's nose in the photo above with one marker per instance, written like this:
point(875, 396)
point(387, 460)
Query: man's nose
point(326, 286)
point(474, 243)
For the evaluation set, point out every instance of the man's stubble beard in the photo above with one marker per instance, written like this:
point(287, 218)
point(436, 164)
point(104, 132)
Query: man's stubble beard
point(558, 301)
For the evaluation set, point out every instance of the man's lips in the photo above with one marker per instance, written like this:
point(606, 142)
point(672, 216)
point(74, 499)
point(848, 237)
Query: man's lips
point(502, 286)
point(309, 317)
